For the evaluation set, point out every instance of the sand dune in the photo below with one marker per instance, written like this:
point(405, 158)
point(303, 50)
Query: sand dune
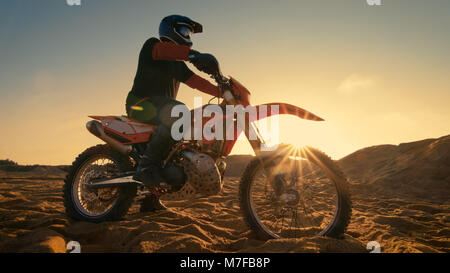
point(32, 219)
point(400, 193)
point(419, 170)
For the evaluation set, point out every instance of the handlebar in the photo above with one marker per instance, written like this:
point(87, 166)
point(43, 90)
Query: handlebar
point(220, 79)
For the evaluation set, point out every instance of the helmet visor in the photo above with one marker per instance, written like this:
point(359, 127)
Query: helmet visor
point(184, 31)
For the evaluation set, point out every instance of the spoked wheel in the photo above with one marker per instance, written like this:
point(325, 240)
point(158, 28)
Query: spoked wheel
point(300, 194)
point(96, 205)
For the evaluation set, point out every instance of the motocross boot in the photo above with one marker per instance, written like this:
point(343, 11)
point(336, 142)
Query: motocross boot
point(151, 203)
point(149, 169)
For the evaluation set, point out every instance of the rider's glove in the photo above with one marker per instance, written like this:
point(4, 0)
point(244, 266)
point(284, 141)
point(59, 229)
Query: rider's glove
point(203, 61)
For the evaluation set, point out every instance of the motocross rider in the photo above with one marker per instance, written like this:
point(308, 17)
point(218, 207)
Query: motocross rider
point(160, 70)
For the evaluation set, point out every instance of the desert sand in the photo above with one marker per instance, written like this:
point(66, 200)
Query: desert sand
point(400, 199)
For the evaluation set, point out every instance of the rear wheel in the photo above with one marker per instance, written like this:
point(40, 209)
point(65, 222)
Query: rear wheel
point(97, 205)
point(297, 194)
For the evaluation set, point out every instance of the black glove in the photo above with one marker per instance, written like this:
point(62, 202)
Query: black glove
point(204, 62)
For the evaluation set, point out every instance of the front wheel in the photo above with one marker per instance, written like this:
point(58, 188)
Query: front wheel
point(97, 205)
point(299, 193)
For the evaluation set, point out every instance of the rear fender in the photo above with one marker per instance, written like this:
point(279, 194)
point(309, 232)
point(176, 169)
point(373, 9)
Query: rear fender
point(96, 128)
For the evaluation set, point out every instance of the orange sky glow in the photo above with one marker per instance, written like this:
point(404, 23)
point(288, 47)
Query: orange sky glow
point(377, 75)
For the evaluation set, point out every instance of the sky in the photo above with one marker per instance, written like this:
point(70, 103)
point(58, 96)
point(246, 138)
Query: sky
point(376, 74)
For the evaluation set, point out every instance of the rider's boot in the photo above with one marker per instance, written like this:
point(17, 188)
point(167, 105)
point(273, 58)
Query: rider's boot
point(151, 203)
point(149, 169)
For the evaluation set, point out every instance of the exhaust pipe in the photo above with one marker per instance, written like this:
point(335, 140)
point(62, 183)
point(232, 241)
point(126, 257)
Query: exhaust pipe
point(95, 128)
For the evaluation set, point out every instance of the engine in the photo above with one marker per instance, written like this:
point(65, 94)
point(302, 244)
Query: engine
point(201, 175)
point(175, 174)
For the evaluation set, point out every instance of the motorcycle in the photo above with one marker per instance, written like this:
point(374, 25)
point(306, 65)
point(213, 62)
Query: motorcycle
point(285, 193)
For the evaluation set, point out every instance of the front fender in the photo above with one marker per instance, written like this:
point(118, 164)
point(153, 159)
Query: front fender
point(288, 109)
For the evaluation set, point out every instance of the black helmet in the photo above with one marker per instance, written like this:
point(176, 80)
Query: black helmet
point(178, 29)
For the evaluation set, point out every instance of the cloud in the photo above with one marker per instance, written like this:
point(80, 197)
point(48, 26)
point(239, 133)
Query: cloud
point(356, 83)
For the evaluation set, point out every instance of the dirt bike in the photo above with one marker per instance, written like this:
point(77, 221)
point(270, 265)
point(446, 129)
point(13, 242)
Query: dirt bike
point(288, 192)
